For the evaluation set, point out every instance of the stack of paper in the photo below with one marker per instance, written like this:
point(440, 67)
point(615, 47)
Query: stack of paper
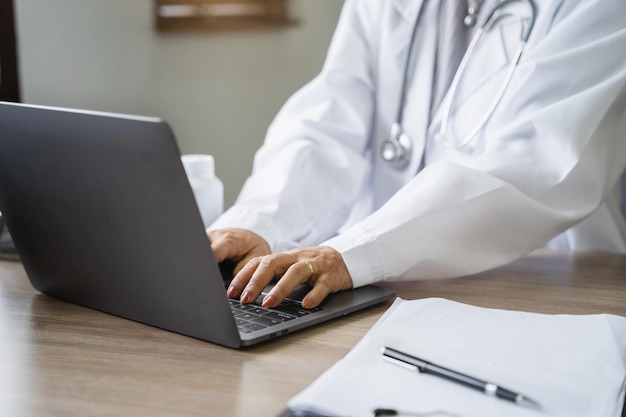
point(574, 366)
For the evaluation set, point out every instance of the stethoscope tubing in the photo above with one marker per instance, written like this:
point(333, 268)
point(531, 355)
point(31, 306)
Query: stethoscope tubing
point(397, 148)
point(442, 136)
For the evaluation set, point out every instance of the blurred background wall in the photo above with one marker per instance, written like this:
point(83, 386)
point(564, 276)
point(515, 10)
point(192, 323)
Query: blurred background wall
point(218, 90)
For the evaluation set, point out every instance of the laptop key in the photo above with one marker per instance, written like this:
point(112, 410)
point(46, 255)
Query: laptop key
point(244, 329)
point(246, 316)
point(266, 321)
point(254, 326)
point(295, 310)
point(241, 307)
point(279, 316)
point(252, 317)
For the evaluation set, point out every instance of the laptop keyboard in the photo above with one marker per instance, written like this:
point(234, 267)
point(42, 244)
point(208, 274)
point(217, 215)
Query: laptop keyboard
point(252, 317)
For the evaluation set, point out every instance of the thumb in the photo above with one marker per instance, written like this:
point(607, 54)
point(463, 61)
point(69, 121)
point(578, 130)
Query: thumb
point(220, 247)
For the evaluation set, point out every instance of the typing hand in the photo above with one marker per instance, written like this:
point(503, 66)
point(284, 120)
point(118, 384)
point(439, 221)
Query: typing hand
point(237, 245)
point(322, 267)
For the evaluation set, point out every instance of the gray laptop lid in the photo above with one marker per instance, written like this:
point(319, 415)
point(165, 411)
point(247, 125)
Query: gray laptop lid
point(102, 215)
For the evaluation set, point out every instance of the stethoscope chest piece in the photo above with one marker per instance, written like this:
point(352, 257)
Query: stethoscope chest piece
point(396, 150)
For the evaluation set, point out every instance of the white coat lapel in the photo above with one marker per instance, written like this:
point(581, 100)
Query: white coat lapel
point(406, 11)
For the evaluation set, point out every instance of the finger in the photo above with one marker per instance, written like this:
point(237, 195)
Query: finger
point(321, 289)
point(242, 276)
point(298, 273)
point(246, 259)
point(268, 268)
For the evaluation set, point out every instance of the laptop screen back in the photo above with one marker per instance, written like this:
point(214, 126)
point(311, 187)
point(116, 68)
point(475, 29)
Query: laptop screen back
point(102, 215)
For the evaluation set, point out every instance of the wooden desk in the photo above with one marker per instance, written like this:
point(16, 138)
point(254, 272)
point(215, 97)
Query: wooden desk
point(58, 359)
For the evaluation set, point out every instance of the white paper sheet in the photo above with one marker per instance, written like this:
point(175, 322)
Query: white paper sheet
point(574, 366)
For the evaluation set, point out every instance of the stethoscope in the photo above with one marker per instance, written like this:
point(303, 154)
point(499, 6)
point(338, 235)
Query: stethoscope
point(397, 148)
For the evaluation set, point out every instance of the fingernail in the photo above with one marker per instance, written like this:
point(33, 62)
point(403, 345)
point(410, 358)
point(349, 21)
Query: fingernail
point(245, 297)
point(231, 292)
point(306, 303)
point(268, 301)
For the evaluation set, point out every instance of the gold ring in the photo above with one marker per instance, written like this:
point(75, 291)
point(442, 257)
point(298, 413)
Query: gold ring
point(310, 267)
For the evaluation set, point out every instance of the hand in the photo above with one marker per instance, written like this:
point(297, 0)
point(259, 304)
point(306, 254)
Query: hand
point(238, 245)
point(322, 267)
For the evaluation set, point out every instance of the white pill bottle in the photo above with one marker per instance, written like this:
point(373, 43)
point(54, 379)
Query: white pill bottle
point(207, 187)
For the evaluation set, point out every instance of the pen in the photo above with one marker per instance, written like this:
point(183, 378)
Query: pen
point(426, 367)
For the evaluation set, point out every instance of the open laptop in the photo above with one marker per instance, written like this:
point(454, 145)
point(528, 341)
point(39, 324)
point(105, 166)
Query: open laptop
point(102, 215)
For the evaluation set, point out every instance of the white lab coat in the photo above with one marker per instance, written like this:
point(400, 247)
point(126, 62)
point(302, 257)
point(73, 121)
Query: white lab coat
point(543, 171)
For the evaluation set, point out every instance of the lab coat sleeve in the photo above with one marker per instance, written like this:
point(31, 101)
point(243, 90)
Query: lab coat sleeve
point(549, 156)
point(309, 172)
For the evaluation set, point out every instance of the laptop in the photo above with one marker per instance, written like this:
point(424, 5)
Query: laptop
point(102, 215)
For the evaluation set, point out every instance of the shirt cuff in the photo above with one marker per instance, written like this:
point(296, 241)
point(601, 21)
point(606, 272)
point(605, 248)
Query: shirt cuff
point(360, 256)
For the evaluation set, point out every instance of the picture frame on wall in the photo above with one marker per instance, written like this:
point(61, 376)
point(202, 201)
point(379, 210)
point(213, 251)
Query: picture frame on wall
point(220, 15)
